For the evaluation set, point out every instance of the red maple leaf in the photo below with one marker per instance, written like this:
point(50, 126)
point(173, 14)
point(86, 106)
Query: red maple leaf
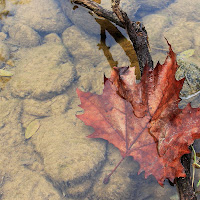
point(143, 120)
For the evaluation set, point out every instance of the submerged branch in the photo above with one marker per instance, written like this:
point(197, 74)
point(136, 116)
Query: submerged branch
point(184, 185)
point(137, 34)
point(135, 30)
point(99, 10)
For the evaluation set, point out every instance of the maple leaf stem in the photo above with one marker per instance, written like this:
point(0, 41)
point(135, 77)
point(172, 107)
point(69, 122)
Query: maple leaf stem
point(107, 178)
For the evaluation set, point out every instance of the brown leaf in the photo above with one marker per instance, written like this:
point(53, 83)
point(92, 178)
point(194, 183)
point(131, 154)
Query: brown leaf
point(143, 120)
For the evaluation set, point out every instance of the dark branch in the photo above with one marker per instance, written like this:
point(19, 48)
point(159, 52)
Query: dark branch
point(135, 30)
point(184, 185)
point(99, 10)
point(137, 35)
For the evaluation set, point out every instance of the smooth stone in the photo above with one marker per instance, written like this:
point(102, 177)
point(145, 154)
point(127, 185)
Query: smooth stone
point(52, 37)
point(146, 6)
point(29, 185)
point(185, 9)
point(21, 168)
point(42, 72)
point(120, 179)
point(160, 21)
point(57, 105)
point(82, 46)
point(42, 16)
point(71, 160)
point(24, 36)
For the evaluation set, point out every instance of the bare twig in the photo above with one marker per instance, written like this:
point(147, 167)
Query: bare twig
point(116, 10)
point(135, 30)
point(99, 10)
point(137, 34)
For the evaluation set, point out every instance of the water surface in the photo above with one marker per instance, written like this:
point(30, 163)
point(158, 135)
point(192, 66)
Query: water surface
point(53, 47)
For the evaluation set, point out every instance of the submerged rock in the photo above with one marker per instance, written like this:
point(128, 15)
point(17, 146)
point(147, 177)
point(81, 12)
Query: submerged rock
point(82, 46)
point(42, 72)
point(21, 167)
point(24, 36)
point(185, 9)
point(178, 37)
point(42, 16)
point(57, 105)
point(71, 160)
point(52, 37)
point(29, 185)
point(189, 70)
point(160, 21)
point(146, 6)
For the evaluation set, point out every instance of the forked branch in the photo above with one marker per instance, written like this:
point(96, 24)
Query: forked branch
point(99, 10)
point(135, 30)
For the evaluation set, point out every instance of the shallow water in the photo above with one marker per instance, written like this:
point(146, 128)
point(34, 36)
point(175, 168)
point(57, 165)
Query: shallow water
point(53, 47)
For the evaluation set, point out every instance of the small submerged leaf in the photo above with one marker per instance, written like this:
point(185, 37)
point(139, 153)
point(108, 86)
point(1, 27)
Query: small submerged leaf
point(188, 53)
point(32, 128)
point(5, 73)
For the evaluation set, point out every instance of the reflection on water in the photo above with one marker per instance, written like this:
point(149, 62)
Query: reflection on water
point(121, 40)
point(52, 49)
